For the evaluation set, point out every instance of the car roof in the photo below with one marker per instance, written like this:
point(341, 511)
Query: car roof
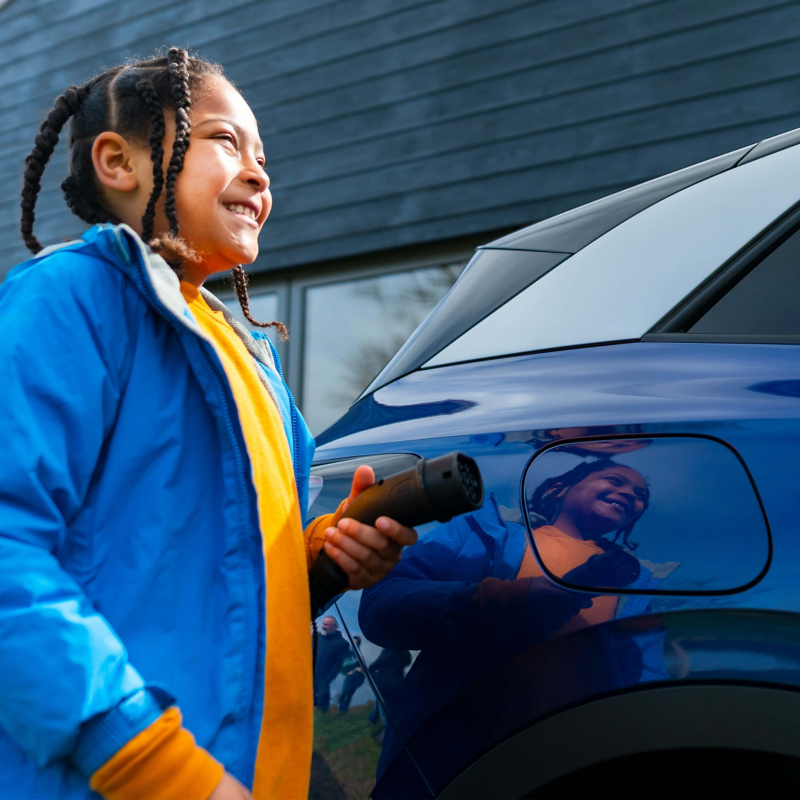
point(573, 230)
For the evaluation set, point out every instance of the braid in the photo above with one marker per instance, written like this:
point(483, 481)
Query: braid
point(82, 206)
point(157, 131)
point(79, 188)
point(130, 100)
point(179, 85)
point(239, 280)
point(44, 144)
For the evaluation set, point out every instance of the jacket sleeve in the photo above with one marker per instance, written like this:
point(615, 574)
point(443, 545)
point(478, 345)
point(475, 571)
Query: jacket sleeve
point(417, 605)
point(67, 688)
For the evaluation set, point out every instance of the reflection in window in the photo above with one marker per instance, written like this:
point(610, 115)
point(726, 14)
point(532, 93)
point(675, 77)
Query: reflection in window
point(263, 308)
point(353, 328)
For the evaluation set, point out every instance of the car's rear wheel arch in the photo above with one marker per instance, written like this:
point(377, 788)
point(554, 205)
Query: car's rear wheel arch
point(751, 718)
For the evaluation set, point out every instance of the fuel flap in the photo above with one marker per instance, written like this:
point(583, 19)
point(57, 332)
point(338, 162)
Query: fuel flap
point(660, 515)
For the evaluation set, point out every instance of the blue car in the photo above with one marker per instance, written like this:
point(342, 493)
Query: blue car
point(621, 618)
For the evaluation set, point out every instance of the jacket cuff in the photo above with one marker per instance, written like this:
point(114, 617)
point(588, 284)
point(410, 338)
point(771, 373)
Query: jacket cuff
point(314, 534)
point(106, 733)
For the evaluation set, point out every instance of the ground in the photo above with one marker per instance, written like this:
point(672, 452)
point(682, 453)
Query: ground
point(345, 754)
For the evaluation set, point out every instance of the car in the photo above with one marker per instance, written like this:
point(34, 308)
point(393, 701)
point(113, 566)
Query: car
point(621, 618)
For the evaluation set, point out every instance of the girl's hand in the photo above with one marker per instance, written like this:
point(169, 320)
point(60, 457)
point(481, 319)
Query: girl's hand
point(367, 554)
point(230, 789)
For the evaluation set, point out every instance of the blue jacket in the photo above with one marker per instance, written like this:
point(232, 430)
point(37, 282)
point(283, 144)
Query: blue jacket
point(131, 564)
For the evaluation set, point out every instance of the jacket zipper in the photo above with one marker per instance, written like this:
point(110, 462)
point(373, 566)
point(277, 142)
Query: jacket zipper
point(252, 655)
point(293, 412)
point(230, 429)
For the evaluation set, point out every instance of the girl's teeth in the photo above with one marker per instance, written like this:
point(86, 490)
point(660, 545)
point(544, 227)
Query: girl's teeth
point(240, 209)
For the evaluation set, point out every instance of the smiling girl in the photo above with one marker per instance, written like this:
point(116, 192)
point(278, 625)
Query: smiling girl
point(575, 511)
point(155, 468)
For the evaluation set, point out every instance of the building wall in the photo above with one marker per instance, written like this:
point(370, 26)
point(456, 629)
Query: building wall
point(401, 132)
point(397, 122)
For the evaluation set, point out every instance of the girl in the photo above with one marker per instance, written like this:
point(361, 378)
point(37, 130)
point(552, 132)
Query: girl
point(155, 468)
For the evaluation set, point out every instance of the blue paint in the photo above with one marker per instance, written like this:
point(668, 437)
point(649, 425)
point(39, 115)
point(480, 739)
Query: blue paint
point(503, 412)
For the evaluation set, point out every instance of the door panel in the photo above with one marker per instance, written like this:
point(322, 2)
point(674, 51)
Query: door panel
point(497, 656)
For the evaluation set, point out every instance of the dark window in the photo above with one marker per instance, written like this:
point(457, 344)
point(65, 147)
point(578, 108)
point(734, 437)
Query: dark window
point(765, 302)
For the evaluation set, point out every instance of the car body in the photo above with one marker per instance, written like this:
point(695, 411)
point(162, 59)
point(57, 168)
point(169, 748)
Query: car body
point(655, 331)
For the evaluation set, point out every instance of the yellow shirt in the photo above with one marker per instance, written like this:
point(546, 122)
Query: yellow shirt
point(283, 763)
point(562, 553)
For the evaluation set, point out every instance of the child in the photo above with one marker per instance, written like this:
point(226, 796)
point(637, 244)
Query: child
point(155, 468)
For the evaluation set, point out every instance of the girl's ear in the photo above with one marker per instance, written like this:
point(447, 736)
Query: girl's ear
point(557, 491)
point(115, 162)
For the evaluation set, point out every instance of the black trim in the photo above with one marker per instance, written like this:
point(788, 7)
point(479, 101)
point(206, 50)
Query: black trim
point(722, 338)
point(649, 592)
point(754, 717)
point(402, 364)
point(681, 318)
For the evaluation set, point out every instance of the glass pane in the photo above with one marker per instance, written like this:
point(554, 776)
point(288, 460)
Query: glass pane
point(620, 285)
point(764, 302)
point(352, 330)
point(492, 278)
point(263, 308)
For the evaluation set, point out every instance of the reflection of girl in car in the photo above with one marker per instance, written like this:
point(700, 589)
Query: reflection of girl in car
point(571, 514)
point(470, 596)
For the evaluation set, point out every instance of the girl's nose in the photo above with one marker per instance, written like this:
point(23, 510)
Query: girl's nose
point(257, 177)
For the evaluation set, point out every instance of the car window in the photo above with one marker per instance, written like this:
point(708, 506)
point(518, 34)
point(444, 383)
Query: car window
point(490, 279)
point(618, 287)
point(764, 302)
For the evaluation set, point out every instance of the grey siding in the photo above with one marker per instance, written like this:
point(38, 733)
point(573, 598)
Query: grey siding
point(397, 122)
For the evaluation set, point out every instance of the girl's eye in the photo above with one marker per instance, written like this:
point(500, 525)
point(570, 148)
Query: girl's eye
point(227, 137)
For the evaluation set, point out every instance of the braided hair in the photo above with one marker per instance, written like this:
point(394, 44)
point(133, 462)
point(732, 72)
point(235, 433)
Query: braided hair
point(545, 504)
point(130, 100)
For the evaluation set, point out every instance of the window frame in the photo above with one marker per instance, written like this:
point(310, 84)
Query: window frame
point(675, 326)
point(256, 288)
point(326, 277)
